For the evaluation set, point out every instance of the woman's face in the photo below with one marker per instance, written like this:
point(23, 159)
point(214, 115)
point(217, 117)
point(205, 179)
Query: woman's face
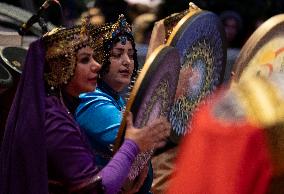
point(121, 66)
point(231, 29)
point(86, 73)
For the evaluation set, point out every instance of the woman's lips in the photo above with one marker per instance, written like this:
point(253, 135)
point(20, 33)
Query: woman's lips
point(93, 79)
point(124, 72)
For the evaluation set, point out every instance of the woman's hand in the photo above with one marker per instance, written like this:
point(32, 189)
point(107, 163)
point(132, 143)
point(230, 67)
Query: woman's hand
point(152, 136)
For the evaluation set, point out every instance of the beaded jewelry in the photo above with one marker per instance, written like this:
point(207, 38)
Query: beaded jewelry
point(62, 45)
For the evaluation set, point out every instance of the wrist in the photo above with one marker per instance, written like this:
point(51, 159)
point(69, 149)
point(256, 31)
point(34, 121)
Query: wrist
point(132, 145)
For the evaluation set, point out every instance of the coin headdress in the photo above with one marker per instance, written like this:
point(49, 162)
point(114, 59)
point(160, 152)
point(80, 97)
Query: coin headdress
point(62, 45)
point(120, 31)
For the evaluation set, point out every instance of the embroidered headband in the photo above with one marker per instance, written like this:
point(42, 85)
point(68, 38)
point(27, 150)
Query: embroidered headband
point(62, 45)
point(110, 34)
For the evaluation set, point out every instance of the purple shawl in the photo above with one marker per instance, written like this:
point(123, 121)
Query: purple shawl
point(23, 159)
point(23, 154)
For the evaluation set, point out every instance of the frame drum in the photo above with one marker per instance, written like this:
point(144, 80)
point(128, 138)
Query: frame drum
point(151, 96)
point(263, 53)
point(200, 39)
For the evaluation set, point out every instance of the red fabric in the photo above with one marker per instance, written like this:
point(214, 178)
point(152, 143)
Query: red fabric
point(221, 157)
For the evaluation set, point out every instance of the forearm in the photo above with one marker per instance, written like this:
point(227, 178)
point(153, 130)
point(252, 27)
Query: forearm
point(115, 173)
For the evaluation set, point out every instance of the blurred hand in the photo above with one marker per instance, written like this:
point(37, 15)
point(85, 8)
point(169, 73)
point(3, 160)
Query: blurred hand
point(153, 135)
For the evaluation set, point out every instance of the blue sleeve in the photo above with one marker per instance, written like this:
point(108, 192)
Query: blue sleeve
point(100, 119)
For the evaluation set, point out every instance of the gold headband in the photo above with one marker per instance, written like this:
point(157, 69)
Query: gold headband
point(106, 35)
point(62, 45)
point(119, 28)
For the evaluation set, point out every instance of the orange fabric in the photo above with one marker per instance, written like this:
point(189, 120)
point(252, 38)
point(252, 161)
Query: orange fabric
point(221, 157)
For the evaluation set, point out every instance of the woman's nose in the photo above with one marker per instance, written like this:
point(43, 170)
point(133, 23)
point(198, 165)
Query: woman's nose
point(95, 67)
point(126, 60)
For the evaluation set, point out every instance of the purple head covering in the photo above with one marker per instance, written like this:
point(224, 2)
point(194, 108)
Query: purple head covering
point(23, 154)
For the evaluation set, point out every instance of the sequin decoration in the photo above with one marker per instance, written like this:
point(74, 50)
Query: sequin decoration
point(200, 41)
point(157, 106)
point(152, 95)
point(109, 34)
point(62, 45)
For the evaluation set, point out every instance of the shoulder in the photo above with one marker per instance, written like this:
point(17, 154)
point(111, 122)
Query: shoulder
point(228, 107)
point(57, 116)
point(95, 95)
point(86, 99)
point(53, 106)
point(95, 101)
point(218, 112)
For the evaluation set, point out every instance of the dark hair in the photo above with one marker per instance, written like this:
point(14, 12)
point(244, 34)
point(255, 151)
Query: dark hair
point(107, 49)
point(232, 14)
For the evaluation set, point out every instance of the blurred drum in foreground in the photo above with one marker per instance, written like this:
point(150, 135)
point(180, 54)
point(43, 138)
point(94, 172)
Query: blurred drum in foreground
point(263, 53)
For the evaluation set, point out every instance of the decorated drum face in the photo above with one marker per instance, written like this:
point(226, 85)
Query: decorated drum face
point(152, 96)
point(200, 40)
point(263, 53)
point(156, 93)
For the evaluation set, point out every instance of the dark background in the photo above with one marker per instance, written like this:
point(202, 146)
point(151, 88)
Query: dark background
point(250, 10)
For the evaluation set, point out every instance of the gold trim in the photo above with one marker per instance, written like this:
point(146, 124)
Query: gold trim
point(270, 28)
point(192, 11)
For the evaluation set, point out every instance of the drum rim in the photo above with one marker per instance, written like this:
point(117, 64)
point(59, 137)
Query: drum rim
point(179, 25)
point(6, 61)
point(257, 39)
point(129, 105)
point(7, 83)
point(182, 26)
